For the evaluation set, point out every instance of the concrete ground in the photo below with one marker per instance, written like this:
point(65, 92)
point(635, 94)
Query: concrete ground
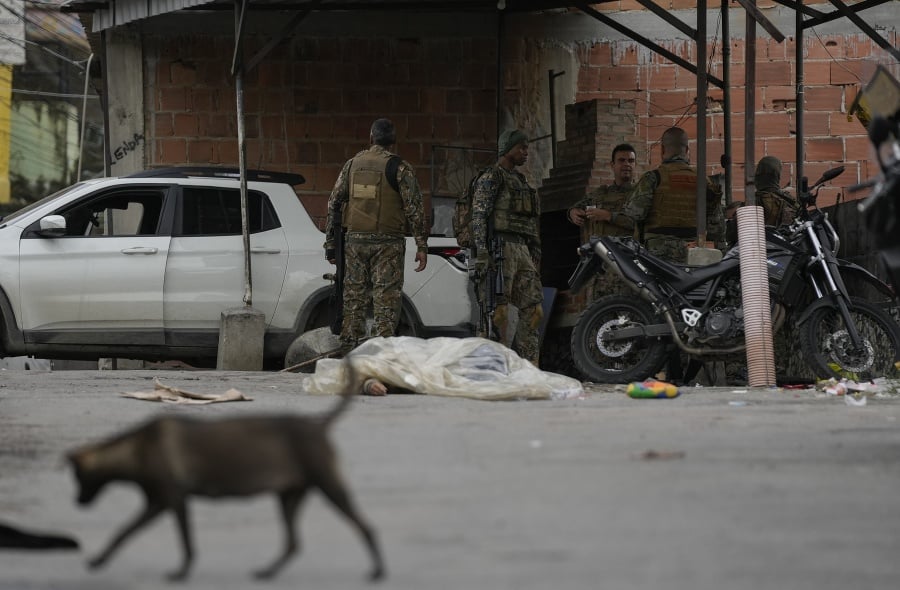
point(720, 488)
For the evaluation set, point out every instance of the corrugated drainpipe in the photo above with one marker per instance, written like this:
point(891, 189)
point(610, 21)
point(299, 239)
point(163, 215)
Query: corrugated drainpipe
point(755, 297)
point(752, 243)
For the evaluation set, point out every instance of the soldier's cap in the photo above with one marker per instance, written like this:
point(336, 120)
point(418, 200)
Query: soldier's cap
point(510, 139)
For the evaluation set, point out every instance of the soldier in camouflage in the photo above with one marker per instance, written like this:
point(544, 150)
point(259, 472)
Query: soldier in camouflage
point(779, 208)
point(664, 202)
point(381, 203)
point(503, 200)
point(585, 214)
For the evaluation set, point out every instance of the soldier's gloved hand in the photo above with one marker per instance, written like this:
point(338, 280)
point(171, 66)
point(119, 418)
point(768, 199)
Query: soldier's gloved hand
point(482, 262)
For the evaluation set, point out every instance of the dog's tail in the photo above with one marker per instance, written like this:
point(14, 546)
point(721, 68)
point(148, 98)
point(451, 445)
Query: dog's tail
point(351, 387)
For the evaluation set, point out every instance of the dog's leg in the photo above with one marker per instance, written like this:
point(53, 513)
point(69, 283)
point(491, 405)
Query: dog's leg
point(151, 511)
point(334, 489)
point(290, 503)
point(187, 544)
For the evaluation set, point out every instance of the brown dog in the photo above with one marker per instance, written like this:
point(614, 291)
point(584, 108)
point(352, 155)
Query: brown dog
point(171, 458)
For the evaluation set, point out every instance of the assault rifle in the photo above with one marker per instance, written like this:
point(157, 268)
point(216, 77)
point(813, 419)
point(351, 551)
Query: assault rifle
point(493, 286)
point(337, 293)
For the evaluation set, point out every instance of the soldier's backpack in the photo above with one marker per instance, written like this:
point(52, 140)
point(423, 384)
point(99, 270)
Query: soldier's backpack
point(462, 213)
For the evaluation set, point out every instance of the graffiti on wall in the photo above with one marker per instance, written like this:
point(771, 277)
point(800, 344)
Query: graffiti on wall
point(127, 146)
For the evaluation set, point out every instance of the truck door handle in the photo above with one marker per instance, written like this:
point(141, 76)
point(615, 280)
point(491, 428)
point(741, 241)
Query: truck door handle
point(140, 250)
point(262, 250)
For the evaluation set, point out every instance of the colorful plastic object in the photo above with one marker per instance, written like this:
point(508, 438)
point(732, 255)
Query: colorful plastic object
point(652, 390)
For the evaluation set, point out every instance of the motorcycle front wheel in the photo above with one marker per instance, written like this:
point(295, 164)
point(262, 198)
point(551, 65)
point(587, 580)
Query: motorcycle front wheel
point(602, 359)
point(829, 352)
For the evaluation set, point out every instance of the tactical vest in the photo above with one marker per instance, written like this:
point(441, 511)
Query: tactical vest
point(516, 209)
point(675, 198)
point(374, 206)
point(611, 198)
point(776, 210)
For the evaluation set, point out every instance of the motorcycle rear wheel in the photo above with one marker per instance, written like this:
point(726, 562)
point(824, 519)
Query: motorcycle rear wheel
point(603, 361)
point(826, 344)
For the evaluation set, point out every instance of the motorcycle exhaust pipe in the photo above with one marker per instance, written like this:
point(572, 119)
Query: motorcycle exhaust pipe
point(634, 282)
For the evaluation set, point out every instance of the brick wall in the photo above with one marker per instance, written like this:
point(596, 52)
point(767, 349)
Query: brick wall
point(309, 105)
point(835, 68)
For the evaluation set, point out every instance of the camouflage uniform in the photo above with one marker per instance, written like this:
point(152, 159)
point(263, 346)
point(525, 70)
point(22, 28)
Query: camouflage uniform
point(664, 201)
point(375, 245)
point(505, 198)
point(779, 208)
point(612, 198)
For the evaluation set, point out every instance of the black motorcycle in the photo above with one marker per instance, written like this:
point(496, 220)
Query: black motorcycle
point(621, 338)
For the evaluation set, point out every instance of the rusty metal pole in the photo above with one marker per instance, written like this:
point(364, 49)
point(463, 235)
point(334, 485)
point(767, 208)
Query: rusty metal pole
point(702, 71)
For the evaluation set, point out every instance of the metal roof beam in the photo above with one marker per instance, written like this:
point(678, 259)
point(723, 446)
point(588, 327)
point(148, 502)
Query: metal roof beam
point(865, 28)
point(587, 9)
point(667, 16)
point(759, 17)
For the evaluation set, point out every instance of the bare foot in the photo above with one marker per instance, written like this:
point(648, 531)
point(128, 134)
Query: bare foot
point(374, 387)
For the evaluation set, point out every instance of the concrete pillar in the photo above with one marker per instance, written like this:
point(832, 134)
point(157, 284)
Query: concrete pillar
point(241, 335)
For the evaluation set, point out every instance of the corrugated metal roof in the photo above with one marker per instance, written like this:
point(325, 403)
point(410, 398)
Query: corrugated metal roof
point(111, 13)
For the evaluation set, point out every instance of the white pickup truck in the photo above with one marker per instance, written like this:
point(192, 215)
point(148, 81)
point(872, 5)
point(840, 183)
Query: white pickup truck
point(142, 267)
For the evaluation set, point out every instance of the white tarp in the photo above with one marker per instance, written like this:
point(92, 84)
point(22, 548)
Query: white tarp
point(458, 367)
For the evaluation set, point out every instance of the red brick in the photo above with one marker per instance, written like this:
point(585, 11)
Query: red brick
point(815, 124)
point(201, 151)
point(857, 147)
point(828, 196)
point(773, 124)
point(826, 48)
point(228, 152)
point(186, 125)
point(459, 102)
point(202, 99)
point(171, 151)
point(445, 74)
point(626, 54)
point(272, 126)
point(173, 99)
point(445, 128)
point(270, 73)
point(319, 127)
point(659, 77)
point(254, 153)
point(588, 78)
point(860, 47)
point(182, 73)
point(278, 154)
point(601, 55)
point(852, 72)
point(827, 149)
point(162, 125)
point(420, 126)
point(785, 149)
point(407, 49)
point(484, 101)
point(473, 127)
point(840, 126)
point(774, 72)
point(816, 73)
point(217, 125)
point(619, 78)
point(824, 98)
point(333, 152)
point(671, 102)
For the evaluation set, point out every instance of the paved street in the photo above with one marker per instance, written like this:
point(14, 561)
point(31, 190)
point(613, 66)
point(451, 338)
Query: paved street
point(721, 488)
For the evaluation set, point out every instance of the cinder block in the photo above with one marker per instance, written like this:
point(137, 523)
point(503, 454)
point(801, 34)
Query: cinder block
point(241, 335)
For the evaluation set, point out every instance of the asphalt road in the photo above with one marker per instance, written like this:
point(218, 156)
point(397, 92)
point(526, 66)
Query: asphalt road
point(720, 488)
